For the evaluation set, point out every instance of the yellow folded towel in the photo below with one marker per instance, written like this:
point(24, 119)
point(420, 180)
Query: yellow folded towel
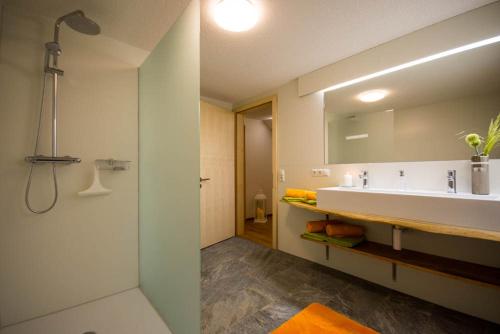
point(311, 195)
point(297, 193)
point(300, 193)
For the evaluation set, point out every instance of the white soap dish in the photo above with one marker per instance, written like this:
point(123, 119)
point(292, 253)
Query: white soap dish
point(96, 188)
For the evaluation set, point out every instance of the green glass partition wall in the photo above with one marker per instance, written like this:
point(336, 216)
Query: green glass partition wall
point(169, 170)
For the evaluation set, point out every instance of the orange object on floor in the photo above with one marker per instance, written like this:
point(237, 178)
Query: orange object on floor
point(319, 319)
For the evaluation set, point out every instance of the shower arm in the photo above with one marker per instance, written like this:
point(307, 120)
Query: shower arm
point(53, 47)
point(60, 20)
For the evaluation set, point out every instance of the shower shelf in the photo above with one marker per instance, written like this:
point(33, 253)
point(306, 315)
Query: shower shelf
point(43, 159)
point(112, 164)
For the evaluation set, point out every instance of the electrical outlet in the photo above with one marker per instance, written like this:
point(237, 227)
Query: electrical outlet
point(320, 172)
point(282, 175)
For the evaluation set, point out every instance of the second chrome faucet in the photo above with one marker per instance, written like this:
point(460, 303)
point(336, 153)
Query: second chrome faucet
point(364, 177)
point(452, 181)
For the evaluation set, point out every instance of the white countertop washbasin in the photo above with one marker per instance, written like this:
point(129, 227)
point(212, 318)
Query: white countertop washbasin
point(461, 209)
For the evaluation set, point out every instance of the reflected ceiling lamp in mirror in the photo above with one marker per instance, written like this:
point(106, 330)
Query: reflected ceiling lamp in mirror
point(373, 95)
point(415, 113)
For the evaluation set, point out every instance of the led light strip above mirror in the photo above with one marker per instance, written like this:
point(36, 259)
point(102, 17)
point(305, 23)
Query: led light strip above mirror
point(416, 62)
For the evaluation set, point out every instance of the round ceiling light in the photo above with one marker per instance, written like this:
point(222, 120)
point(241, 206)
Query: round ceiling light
point(372, 95)
point(236, 15)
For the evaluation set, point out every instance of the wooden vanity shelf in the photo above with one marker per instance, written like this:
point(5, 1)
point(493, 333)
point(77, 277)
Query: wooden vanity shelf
point(474, 273)
point(406, 223)
point(461, 270)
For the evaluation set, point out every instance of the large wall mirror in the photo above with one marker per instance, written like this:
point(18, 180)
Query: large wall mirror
point(420, 113)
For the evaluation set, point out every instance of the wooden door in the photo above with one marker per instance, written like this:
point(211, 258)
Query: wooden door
point(217, 164)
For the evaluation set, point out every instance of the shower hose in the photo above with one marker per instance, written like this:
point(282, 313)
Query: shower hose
point(54, 174)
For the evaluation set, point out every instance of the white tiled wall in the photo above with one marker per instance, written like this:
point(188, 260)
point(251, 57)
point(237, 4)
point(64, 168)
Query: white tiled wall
point(85, 248)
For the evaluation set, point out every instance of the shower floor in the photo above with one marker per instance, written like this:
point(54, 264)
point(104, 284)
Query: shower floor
point(128, 312)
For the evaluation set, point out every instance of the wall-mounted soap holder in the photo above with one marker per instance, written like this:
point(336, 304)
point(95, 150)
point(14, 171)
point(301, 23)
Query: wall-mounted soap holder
point(112, 164)
point(96, 188)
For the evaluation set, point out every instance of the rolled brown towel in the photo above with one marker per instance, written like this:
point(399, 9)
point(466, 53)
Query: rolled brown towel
point(344, 230)
point(316, 226)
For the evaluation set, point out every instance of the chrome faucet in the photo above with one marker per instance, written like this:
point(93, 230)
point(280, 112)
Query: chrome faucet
point(452, 181)
point(402, 179)
point(364, 177)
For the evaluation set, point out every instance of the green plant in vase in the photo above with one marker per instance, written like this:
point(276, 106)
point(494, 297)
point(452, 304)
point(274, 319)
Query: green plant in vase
point(493, 136)
point(475, 141)
point(482, 148)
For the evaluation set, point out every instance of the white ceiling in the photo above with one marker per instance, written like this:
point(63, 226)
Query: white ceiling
point(295, 37)
point(140, 23)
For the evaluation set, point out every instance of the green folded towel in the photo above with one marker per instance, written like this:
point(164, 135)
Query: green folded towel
point(299, 199)
point(293, 199)
point(344, 242)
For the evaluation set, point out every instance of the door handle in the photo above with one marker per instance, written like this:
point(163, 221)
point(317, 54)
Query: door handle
point(203, 180)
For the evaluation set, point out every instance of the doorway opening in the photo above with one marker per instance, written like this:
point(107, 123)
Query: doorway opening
point(256, 177)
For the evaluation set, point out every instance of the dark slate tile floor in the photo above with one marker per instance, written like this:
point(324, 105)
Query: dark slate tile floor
point(248, 288)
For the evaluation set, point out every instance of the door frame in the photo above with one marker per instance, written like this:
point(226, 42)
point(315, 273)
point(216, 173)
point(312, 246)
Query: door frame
point(240, 165)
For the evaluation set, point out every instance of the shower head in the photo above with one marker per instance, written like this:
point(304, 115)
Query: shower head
point(79, 22)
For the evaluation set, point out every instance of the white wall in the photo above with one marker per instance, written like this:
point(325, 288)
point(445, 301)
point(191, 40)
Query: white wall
point(85, 248)
point(300, 148)
point(298, 154)
point(297, 157)
point(258, 164)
